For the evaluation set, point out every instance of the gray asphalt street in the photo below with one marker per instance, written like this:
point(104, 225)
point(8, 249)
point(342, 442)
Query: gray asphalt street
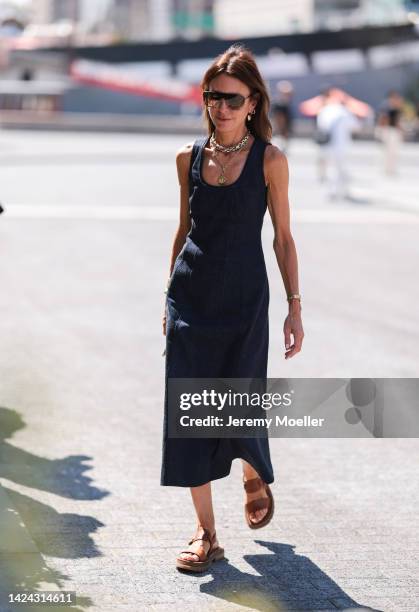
point(85, 243)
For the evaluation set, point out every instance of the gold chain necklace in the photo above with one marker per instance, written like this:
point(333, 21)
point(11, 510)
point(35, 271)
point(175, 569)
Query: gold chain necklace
point(222, 178)
point(216, 147)
point(232, 148)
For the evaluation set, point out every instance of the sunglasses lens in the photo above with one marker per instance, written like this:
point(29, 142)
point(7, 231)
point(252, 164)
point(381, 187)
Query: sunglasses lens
point(236, 101)
point(212, 98)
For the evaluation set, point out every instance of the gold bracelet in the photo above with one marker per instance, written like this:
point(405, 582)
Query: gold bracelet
point(294, 296)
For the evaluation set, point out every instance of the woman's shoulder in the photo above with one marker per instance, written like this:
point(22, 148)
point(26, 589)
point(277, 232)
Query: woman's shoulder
point(273, 155)
point(274, 161)
point(184, 151)
point(183, 160)
point(183, 156)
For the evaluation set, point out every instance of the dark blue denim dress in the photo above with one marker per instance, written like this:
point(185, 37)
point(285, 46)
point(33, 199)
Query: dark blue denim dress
point(217, 312)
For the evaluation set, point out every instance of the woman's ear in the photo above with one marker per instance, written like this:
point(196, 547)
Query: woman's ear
point(255, 98)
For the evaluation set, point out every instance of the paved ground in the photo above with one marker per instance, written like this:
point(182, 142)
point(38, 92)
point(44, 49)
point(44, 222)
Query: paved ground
point(84, 244)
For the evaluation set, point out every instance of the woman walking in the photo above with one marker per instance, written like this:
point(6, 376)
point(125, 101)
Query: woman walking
point(216, 311)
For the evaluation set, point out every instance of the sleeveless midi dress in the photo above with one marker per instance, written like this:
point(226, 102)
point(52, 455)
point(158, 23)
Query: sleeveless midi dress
point(217, 312)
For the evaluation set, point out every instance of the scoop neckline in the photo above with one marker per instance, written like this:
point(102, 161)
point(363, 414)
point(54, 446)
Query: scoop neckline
point(201, 161)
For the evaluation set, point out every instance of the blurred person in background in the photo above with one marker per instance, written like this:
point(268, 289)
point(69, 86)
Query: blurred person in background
point(321, 137)
point(389, 129)
point(335, 124)
point(335, 112)
point(282, 116)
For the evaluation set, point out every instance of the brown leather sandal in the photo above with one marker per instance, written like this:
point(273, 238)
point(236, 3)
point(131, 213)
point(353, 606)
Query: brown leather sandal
point(251, 486)
point(213, 554)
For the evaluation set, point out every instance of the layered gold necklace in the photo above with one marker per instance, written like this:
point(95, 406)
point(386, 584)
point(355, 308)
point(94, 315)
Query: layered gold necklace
point(216, 147)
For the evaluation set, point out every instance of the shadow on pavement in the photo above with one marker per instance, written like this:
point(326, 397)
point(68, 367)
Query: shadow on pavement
point(30, 529)
point(287, 581)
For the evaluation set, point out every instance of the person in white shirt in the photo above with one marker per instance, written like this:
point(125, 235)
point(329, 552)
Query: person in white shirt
point(337, 122)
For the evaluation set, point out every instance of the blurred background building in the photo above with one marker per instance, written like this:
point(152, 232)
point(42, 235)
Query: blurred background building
point(163, 20)
point(336, 14)
point(148, 56)
point(46, 11)
point(267, 17)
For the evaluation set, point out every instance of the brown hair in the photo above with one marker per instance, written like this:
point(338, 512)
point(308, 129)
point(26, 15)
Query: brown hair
point(239, 62)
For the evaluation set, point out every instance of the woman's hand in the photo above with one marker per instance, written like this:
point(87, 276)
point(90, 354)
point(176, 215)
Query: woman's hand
point(164, 323)
point(293, 325)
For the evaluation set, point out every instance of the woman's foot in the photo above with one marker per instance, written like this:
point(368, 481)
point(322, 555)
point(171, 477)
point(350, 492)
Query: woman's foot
point(248, 473)
point(200, 547)
point(258, 515)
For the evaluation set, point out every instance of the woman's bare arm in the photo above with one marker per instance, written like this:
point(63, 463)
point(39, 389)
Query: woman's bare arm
point(277, 178)
point(183, 160)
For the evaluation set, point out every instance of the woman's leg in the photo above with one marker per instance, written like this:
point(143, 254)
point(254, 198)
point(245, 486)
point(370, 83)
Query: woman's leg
point(202, 500)
point(249, 472)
